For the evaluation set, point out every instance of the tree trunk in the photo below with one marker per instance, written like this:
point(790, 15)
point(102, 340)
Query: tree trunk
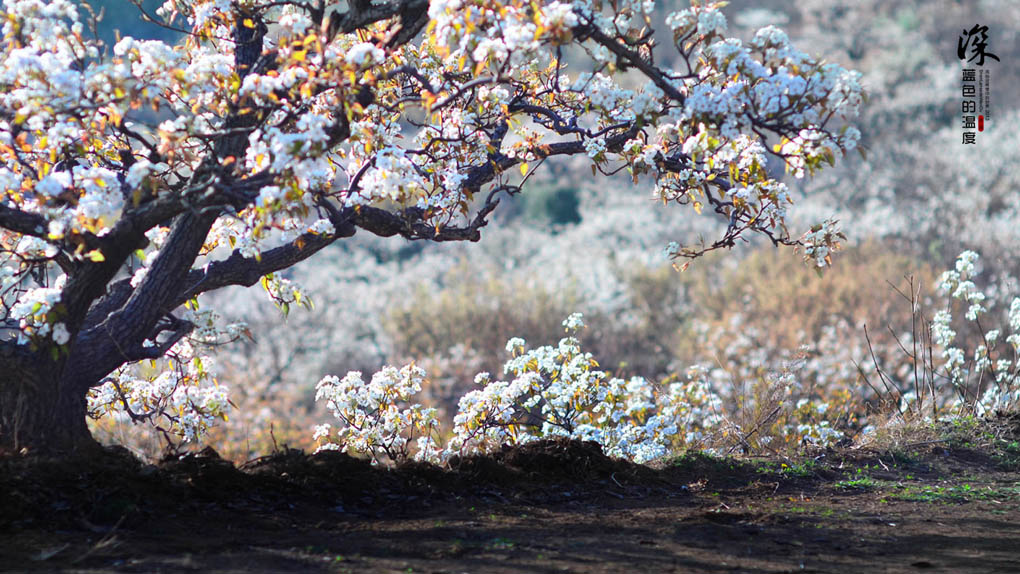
point(39, 413)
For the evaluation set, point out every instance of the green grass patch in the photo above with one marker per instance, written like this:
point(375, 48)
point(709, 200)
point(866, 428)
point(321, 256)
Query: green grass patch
point(861, 483)
point(859, 480)
point(955, 494)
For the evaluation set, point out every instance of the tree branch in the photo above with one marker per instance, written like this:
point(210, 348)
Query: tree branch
point(178, 328)
point(23, 222)
point(246, 271)
point(362, 13)
point(591, 30)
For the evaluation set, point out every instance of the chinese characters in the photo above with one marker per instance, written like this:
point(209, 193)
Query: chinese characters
point(976, 39)
point(972, 47)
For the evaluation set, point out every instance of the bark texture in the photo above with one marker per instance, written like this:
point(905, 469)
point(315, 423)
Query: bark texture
point(39, 410)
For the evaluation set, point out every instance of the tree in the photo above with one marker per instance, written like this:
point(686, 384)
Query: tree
point(283, 127)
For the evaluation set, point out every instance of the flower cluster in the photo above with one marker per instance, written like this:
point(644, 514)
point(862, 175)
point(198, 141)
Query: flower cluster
point(181, 396)
point(821, 242)
point(813, 426)
point(37, 314)
point(284, 292)
point(372, 417)
point(991, 366)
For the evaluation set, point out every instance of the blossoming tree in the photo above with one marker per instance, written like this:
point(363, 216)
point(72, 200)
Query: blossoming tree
point(283, 127)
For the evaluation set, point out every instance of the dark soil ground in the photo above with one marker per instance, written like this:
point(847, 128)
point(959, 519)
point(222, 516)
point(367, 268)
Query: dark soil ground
point(548, 507)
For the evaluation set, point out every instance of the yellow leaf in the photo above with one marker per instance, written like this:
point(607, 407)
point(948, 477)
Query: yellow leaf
point(95, 256)
point(248, 23)
point(524, 168)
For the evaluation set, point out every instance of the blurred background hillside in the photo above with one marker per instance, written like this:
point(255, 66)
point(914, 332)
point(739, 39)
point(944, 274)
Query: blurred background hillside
point(575, 243)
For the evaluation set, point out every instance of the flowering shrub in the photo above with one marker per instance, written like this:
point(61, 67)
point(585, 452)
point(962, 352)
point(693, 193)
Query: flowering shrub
point(559, 392)
point(372, 420)
point(556, 392)
point(696, 409)
point(985, 371)
point(805, 348)
point(959, 364)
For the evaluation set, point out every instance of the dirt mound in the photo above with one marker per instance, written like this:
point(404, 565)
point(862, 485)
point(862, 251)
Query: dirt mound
point(567, 459)
point(326, 469)
point(544, 460)
point(105, 489)
point(87, 492)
